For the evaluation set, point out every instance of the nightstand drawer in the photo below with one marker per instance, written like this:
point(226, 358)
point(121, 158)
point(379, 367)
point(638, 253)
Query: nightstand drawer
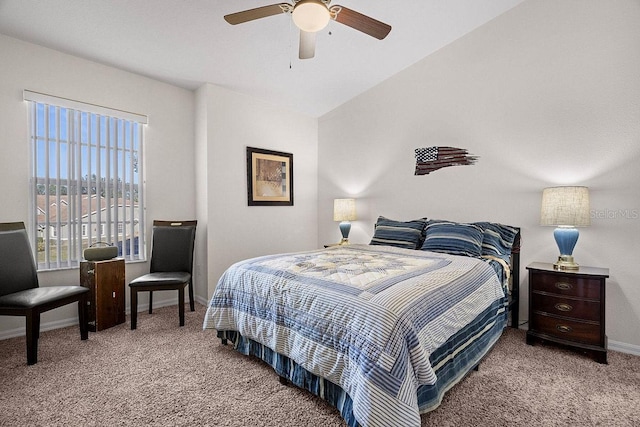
point(570, 330)
point(566, 285)
point(576, 308)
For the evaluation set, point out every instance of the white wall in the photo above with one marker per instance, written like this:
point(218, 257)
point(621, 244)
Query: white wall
point(236, 231)
point(546, 94)
point(195, 164)
point(169, 141)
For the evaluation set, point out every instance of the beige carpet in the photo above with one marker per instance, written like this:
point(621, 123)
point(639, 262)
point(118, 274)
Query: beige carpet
point(164, 375)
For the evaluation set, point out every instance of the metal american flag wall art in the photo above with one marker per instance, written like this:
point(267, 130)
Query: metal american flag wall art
point(430, 159)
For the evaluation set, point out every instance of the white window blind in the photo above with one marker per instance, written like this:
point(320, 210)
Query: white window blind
point(86, 180)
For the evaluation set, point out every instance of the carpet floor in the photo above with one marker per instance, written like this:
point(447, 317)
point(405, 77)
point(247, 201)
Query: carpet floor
point(164, 375)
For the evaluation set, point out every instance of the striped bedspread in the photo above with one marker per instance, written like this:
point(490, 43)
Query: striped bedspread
point(366, 318)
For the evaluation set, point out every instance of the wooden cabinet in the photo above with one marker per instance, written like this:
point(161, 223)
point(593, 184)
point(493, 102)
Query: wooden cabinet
point(105, 280)
point(568, 307)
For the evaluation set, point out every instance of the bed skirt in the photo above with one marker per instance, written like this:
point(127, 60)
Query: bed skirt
point(452, 361)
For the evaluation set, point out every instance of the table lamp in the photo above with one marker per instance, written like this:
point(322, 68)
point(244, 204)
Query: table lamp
point(344, 210)
point(566, 208)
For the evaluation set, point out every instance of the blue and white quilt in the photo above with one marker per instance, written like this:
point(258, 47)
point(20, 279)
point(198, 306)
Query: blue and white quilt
point(366, 318)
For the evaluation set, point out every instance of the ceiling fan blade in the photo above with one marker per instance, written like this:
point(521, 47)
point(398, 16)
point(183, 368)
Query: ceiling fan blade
point(307, 48)
point(257, 13)
point(361, 22)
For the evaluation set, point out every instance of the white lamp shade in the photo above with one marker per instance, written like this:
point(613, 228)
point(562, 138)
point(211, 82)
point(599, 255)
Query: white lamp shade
point(311, 15)
point(565, 206)
point(344, 210)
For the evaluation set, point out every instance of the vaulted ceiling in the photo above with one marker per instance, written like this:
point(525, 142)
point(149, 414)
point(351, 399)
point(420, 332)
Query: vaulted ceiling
point(188, 43)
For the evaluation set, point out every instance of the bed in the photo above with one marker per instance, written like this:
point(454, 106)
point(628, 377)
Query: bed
point(380, 331)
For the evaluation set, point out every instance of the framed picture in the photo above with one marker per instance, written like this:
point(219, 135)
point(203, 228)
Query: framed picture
point(269, 177)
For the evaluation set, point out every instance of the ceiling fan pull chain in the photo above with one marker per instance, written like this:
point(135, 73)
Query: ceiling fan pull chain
point(290, 50)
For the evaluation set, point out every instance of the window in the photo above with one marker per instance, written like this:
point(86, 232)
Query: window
point(86, 180)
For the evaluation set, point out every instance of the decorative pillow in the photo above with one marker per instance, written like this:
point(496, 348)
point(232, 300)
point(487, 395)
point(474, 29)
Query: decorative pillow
point(498, 239)
point(453, 238)
point(401, 234)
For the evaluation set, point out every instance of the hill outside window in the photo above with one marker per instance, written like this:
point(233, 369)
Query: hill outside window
point(86, 180)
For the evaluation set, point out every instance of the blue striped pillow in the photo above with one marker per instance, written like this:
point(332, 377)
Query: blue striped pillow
point(453, 238)
point(401, 234)
point(498, 239)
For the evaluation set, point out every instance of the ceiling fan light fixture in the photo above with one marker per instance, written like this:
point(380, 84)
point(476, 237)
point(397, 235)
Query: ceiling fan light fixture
point(311, 15)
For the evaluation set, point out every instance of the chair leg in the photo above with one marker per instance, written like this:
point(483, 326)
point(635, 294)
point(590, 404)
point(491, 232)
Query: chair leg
point(82, 318)
point(191, 303)
point(33, 333)
point(181, 305)
point(134, 308)
point(150, 302)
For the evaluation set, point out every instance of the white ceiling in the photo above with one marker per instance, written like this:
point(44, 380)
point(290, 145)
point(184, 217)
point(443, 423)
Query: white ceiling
point(187, 42)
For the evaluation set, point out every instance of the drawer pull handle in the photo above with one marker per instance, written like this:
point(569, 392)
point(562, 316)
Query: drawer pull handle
point(564, 328)
point(563, 286)
point(563, 307)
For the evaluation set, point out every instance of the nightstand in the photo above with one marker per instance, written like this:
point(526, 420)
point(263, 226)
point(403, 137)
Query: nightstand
point(105, 280)
point(568, 307)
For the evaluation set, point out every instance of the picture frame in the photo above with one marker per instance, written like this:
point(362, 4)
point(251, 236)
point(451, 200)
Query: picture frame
point(269, 177)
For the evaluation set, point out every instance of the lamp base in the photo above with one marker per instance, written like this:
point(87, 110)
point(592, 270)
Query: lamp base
point(345, 227)
point(565, 262)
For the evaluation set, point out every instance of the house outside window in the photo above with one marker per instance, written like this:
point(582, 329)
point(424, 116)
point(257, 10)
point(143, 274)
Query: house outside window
point(86, 180)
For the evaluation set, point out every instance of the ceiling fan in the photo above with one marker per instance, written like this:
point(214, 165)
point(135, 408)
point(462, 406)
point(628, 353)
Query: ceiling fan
point(311, 16)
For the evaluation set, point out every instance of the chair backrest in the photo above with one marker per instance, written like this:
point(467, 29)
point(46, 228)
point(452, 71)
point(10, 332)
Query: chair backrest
point(173, 243)
point(17, 267)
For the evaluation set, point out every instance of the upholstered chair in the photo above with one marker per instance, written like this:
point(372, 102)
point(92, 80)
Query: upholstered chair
point(171, 265)
point(20, 293)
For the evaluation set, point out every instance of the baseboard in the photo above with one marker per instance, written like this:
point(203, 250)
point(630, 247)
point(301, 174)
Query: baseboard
point(56, 324)
point(201, 300)
point(624, 347)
